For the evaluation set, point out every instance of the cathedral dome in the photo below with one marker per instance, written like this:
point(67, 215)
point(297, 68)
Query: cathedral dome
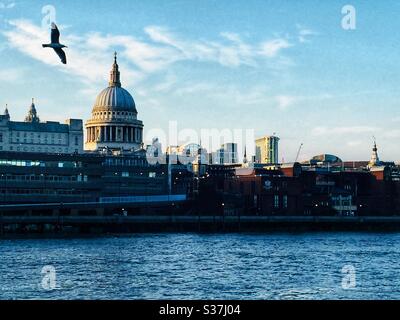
point(114, 124)
point(115, 98)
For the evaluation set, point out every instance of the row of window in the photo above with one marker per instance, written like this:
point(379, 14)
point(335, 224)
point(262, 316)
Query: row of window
point(126, 174)
point(38, 135)
point(277, 204)
point(125, 162)
point(111, 115)
point(38, 141)
point(5, 192)
point(38, 149)
point(55, 178)
point(37, 163)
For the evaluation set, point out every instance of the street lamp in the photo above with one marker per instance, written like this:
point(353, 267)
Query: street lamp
point(119, 186)
point(44, 183)
point(5, 186)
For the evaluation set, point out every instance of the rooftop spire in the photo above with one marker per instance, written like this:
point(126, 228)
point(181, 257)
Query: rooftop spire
point(32, 114)
point(374, 158)
point(115, 74)
point(6, 114)
point(245, 155)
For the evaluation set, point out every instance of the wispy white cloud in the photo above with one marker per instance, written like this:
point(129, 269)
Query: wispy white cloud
point(396, 119)
point(285, 101)
point(321, 130)
point(89, 54)
point(90, 66)
point(305, 33)
point(7, 5)
point(260, 95)
point(354, 143)
point(227, 93)
point(11, 75)
point(391, 134)
point(272, 48)
point(230, 50)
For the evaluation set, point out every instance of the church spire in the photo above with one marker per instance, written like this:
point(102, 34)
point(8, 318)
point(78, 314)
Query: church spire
point(5, 115)
point(32, 114)
point(245, 155)
point(115, 74)
point(374, 158)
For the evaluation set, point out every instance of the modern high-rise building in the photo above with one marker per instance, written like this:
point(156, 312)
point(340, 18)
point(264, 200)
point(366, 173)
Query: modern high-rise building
point(228, 154)
point(267, 150)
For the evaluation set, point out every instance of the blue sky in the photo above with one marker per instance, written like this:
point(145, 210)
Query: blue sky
point(273, 66)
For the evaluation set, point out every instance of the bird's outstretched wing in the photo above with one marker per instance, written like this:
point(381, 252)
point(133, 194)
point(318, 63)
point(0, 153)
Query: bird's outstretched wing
point(60, 52)
point(55, 34)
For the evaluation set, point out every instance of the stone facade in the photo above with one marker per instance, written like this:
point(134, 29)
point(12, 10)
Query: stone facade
point(35, 136)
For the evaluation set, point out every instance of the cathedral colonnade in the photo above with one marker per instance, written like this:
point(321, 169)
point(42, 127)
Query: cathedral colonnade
point(114, 133)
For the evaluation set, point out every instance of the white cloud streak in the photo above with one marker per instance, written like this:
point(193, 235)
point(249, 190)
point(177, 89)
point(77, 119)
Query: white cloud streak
point(304, 34)
point(11, 75)
point(320, 131)
point(89, 54)
point(272, 48)
point(8, 5)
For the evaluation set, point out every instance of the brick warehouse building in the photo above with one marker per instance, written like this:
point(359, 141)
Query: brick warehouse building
point(293, 190)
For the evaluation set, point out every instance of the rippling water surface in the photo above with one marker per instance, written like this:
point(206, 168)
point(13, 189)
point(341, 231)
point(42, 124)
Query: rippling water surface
point(193, 266)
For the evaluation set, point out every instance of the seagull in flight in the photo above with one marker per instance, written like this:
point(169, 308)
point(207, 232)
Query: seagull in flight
point(55, 43)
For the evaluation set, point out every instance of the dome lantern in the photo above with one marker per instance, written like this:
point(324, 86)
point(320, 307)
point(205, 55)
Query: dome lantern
point(115, 76)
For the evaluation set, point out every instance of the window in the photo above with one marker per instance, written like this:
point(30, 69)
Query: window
point(76, 141)
point(152, 174)
point(1, 137)
point(276, 201)
point(285, 201)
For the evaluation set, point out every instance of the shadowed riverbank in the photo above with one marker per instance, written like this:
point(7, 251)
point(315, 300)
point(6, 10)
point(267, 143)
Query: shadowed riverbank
point(60, 226)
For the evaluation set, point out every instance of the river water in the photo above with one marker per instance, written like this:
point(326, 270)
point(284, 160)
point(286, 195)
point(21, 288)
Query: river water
point(204, 266)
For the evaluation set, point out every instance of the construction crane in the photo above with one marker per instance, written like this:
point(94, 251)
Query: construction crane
point(298, 152)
